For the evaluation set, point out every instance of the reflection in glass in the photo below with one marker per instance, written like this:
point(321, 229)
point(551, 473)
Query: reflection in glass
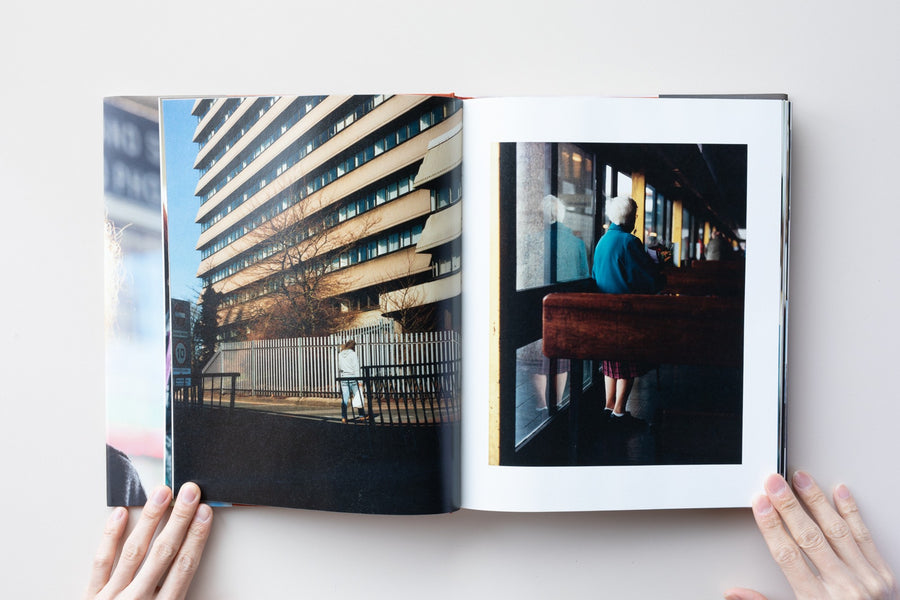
point(554, 219)
point(532, 393)
point(538, 386)
point(650, 231)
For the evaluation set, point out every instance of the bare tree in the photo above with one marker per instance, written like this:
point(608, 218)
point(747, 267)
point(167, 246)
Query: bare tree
point(404, 300)
point(298, 288)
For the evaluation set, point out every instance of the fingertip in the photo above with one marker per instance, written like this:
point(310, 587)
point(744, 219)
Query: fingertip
point(189, 493)
point(802, 480)
point(743, 594)
point(117, 514)
point(775, 485)
point(116, 521)
point(204, 513)
point(161, 496)
point(762, 506)
point(842, 492)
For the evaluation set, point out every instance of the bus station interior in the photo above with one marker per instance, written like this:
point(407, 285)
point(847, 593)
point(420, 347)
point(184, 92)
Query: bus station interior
point(692, 218)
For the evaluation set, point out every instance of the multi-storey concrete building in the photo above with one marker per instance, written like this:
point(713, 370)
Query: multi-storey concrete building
point(359, 193)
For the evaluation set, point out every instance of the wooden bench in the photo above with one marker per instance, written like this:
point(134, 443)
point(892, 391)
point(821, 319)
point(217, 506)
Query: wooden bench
point(706, 278)
point(688, 330)
point(683, 330)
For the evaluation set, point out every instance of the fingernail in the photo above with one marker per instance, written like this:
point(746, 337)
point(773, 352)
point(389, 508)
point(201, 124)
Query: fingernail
point(762, 505)
point(843, 492)
point(117, 514)
point(160, 496)
point(775, 485)
point(188, 493)
point(802, 480)
point(203, 513)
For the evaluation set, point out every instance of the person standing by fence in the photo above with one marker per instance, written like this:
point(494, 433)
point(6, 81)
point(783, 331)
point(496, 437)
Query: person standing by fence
point(348, 373)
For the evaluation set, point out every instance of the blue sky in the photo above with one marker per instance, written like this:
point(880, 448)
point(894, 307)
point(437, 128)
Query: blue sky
point(181, 180)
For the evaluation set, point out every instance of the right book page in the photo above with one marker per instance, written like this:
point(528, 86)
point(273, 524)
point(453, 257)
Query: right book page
point(631, 255)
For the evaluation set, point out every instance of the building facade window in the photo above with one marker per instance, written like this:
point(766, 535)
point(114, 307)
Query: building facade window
point(360, 203)
point(247, 121)
point(229, 107)
point(385, 244)
point(297, 111)
point(329, 173)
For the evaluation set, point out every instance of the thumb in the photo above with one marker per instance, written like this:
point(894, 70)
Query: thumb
point(743, 594)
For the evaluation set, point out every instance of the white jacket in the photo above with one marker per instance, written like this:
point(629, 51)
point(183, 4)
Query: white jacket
point(348, 363)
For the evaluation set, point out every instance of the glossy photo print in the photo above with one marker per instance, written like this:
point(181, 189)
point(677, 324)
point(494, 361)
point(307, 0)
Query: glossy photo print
point(313, 248)
point(622, 294)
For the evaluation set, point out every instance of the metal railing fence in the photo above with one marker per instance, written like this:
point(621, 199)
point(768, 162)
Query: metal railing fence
point(200, 388)
point(412, 394)
point(308, 367)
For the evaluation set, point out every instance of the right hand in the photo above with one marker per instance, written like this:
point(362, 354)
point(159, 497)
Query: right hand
point(845, 563)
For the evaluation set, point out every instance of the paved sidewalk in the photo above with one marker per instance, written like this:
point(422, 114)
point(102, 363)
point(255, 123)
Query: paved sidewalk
point(398, 411)
point(326, 409)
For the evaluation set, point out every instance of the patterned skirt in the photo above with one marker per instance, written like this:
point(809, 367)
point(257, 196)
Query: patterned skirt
point(619, 369)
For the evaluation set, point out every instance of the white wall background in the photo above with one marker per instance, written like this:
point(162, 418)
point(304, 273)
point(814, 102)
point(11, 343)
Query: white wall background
point(838, 62)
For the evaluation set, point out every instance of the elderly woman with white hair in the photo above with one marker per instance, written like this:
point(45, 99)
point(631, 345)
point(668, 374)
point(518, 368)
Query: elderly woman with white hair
point(622, 266)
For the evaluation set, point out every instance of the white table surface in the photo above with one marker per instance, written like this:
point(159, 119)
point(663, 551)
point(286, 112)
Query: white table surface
point(837, 61)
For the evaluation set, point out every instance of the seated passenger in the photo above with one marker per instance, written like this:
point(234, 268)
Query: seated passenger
point(718, 247)
point(622, 266)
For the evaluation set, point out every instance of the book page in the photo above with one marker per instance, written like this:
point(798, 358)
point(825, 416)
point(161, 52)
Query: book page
point(313, 248)
point(686, 345)
point(134, 281)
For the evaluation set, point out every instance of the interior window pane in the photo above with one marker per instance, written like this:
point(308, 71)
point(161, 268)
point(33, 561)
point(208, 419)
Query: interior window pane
point(623, 184)
point(572, 219)
point(649, 213)
point(661, 219)
point(554, 223)
point(532, 393)
point(532, 185)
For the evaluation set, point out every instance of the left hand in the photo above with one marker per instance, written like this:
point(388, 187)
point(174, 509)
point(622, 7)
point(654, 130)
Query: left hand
point(170, 561)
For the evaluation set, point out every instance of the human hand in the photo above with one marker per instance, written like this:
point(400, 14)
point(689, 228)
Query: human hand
point(824, 553)
point(179, 546)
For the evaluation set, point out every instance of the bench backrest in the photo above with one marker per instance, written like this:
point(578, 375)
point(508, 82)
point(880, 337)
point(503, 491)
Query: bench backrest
point(707, 278)
point(658, 329)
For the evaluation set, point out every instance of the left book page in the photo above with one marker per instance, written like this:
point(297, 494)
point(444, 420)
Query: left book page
point(134, 281)
point(313, 268)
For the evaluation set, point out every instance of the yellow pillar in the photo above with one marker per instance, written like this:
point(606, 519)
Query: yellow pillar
point(494, 366)
point(676, 232)
point(639, 193)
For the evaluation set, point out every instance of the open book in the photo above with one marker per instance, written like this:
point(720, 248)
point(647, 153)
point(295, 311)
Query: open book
point(409, 304)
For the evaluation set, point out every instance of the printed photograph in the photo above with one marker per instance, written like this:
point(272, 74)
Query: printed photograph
point(134, 284)
point(621, 303)
point(313, 249)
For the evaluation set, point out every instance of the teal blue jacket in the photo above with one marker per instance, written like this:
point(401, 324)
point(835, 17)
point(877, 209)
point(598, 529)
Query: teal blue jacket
point(621, 266)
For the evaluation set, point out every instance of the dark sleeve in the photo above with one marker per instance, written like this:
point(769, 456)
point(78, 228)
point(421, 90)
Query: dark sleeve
point(123, 484)
point(644, 276)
